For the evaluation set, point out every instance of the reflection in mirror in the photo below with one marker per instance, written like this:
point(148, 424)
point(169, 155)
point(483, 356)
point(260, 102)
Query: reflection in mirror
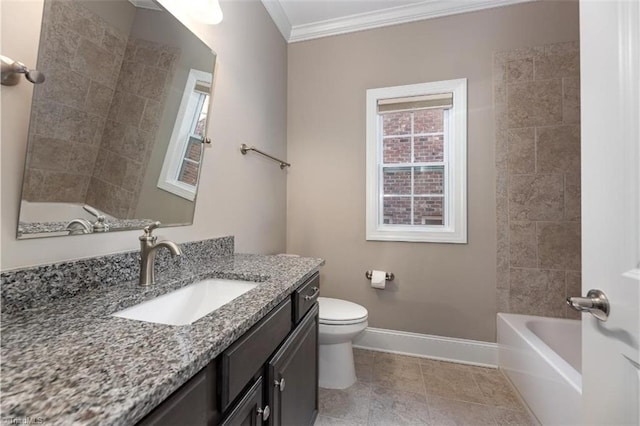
point(117, 129)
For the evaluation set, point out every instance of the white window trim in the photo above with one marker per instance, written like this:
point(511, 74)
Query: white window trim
point(168, 179)
point(455, 221)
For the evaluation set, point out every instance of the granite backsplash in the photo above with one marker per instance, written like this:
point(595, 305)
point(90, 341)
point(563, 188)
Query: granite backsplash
point(35, 286)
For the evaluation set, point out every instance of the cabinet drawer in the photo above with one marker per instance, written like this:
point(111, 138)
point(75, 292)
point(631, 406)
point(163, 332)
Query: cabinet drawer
point(241, 361)
point(305, 297)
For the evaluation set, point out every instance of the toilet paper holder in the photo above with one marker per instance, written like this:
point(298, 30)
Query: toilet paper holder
point(388, 277)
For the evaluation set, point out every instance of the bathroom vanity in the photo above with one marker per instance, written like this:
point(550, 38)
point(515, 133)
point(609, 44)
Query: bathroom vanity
point(269, 375)
point(67, 360)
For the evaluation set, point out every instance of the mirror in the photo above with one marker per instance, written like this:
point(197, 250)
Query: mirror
point(117, 129)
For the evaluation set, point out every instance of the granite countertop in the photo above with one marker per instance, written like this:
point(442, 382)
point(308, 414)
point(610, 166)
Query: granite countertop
point(71, 362)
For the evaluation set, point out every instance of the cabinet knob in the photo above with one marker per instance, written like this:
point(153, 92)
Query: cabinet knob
point(264, 413)
point(280, 384)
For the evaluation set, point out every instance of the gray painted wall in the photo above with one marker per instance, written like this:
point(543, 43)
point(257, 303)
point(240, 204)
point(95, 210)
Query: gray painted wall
point(241, 196)
point(440, 289)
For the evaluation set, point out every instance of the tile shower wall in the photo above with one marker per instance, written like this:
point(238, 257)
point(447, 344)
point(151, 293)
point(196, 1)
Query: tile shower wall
point(81, 55)
point(537, 106)
point(131, 126)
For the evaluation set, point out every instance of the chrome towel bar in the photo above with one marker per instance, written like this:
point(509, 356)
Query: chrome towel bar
point(244, 148)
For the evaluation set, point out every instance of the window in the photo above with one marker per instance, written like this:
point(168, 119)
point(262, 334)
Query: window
point(181, 167)
point(416, 162)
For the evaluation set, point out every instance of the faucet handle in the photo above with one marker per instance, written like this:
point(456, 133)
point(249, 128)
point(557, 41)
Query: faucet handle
point(148, 231)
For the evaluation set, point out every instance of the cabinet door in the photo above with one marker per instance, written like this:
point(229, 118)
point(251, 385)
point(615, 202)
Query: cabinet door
point(293, 376)
point(192, 404)
point(249, 411)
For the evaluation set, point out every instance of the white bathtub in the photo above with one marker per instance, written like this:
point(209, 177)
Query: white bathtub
point(542, 358)
point(54, 212)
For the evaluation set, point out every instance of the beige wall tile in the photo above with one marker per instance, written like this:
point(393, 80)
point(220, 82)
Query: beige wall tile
point(520, 70)
point(559, 245)
point(77, 125)
point(499, 83)
point(114, 42)
point(132, 175)
point(522, 245)
point(82, 159)
point(49, 154)
point(45, 118)
point(151, 115)
point(64, 187)
point(60, 47)
point(167, 60)
point(95, 62)
point(571, 100)
point(503, 299)
point(135, 143)
point(500, 114)
point(537, 292)
point(562, 48)
point(153, 84)
point(130, 75)
point(558, 149)
point(32, 185)
point(519, 53)
point(535, 103)
point(113, 169)
point(98, 99)
point(572, 197)
point(557, 65)
point(131, 108)
point(522, 151)
point(536, 197)
point(66, 87)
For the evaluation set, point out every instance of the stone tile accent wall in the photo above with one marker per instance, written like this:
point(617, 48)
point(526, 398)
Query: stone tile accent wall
point(95, 120)
point(132, 123)
point(80, 54)
point(537, 107)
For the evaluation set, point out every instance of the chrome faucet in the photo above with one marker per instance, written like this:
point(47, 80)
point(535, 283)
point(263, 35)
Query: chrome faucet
point(148, 251)
point(79, 226)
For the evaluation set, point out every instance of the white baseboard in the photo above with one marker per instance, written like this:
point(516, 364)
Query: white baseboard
point(427, 346)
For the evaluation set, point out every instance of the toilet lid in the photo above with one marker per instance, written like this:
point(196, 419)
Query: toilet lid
point(340, 312)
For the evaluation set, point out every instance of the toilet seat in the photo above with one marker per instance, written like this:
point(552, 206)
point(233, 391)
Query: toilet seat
point(340, 312)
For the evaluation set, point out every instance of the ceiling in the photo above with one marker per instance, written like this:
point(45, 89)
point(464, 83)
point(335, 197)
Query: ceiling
point(300, 20)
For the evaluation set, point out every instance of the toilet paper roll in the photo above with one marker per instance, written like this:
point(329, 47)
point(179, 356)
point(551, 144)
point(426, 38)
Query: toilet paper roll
point(378, 279)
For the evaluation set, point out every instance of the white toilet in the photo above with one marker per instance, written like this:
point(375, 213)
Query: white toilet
point(340, 322)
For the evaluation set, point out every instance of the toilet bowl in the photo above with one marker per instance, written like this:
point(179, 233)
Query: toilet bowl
point(340, 322)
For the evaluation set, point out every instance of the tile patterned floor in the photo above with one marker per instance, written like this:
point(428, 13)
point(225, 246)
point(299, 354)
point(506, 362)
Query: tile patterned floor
point(401, 390)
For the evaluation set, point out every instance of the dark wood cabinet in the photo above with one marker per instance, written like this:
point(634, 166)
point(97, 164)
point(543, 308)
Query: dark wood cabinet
point(269, 376)
point(249, 411)
point(292, 374)
point(194, 403)
point(247, 355)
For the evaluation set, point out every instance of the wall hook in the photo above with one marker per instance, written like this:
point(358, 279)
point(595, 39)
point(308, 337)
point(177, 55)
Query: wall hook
point(11, 71)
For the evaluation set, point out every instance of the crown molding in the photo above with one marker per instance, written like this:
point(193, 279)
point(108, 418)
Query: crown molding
point(398, 15)
point(279, 17)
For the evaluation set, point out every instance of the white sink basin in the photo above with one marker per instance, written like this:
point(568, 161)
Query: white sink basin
point(188, 304)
